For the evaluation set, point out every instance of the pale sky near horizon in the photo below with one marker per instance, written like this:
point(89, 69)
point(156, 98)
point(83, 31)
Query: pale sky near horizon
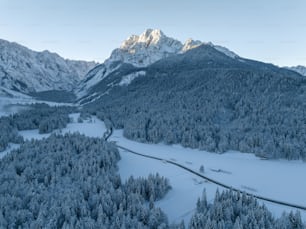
point(272, 31)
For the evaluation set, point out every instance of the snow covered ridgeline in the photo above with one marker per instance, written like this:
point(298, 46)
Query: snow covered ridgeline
point(25, 70)
point(299, 69)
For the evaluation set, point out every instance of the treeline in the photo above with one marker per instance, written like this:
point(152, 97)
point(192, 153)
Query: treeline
point(212, 109)
point(37, 116)
point(71, 181)
point(233, 210)
point(43, 117)
point(54, 96)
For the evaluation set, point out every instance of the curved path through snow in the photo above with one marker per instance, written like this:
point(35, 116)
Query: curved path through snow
point(109, 132)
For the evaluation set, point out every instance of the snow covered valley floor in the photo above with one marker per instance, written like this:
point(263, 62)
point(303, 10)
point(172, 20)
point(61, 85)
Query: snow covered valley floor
point(277, 179)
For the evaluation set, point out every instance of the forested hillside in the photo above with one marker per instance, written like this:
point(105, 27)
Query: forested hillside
point(71, 182)
point(205, 99)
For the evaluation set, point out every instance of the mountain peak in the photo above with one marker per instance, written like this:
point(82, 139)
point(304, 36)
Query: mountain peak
point(148, 37)
point(153, 45)
point(146, 48)
point(151, 36)
point(152, 33)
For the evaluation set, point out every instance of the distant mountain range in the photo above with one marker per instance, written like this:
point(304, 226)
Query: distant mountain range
point(158, 89)
point(26, 71)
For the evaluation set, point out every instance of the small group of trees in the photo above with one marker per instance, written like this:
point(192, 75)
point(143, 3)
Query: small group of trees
point(154, 187)
point(234, 210)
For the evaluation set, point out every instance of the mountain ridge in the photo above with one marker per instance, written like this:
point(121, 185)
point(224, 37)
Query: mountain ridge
point(141, 51)
point(26, 71)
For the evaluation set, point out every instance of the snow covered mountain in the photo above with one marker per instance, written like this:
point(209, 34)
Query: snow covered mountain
point(205, 99)
point(141, 51)
point(150, 46)
point(299, 69)
point(25, 71)
point(153, 45)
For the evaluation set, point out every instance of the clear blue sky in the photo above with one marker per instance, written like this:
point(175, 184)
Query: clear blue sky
point(268, 30)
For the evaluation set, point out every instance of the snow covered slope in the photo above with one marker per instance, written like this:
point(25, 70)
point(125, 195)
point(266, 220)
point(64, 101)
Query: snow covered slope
point(299, 69)
point(24, 70)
